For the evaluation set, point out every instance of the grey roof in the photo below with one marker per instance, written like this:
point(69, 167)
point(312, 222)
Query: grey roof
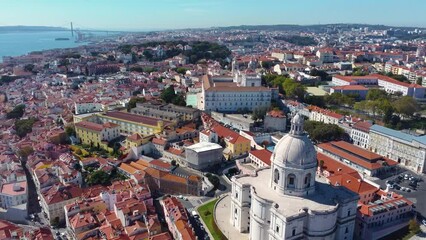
point(398, 134)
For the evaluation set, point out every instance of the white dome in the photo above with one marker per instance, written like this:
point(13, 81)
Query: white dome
point(297, 150)
point(295, 147)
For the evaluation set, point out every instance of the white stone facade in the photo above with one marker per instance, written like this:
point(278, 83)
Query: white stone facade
point(87, 107)
point(286, 202)
point(360, 138)
point(406, 149)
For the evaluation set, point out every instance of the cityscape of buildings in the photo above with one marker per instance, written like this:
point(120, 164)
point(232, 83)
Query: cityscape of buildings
point(225, 133)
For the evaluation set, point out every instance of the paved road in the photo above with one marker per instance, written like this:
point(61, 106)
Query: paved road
point(417, 196)
point(33, 206)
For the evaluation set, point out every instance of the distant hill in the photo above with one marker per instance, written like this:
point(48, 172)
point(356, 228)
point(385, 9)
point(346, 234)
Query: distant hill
point(290, 27)
point(30, 29)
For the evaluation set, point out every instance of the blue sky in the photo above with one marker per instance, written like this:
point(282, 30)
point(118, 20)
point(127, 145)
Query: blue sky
point(172, 14)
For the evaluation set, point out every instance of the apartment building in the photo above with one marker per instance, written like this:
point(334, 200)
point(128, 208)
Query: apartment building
point(360, 134)
point(177, 219)
point(406, 149)
point(54, 198)
point(13, 194)
point(228, 97)
point(95, 134)
point(132, 123)
point(390, 85)
point(359, 159)
point(380, 212)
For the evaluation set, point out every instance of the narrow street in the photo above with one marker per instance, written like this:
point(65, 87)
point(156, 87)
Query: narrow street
point(33, 204)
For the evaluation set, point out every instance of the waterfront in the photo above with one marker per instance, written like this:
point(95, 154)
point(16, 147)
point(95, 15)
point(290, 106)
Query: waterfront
point(20, 43)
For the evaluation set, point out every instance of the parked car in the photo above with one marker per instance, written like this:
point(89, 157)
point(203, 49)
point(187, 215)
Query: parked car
point(424, 222)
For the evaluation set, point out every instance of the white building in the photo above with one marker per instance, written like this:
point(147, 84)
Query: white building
point(275, 120)
point(228, 97)
point(13, 194)
point(202, 155)
point(87, 107)
point(286, 202)
point(390, 85)
point(324, 115)
point(360, 134)
point(260, 158)
point(408, 150)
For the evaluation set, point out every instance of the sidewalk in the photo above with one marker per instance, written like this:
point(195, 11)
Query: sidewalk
point(222, 215)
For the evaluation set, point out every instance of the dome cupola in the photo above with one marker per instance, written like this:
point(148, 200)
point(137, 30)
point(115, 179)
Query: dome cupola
point(294, 161)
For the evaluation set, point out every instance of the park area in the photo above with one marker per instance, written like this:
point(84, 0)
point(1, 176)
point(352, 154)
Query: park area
point(206, 213)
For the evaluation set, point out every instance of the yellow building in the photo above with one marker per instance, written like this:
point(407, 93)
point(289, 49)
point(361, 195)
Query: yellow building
point(132, 123)
point(96, 135)
point(236, 144)
point(135, 140)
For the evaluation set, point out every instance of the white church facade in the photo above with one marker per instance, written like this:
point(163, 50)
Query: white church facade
point(286, 201)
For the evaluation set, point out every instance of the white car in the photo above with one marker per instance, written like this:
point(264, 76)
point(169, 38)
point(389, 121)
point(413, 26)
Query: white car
point(424, 222)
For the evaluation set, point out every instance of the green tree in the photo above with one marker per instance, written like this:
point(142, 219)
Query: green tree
point(110, 58)
point(179, 100)
point(259, 113)
point(148, 55)
point(70, 130)
point(374, 94)
point(126, 49)
point(413, 226)
point(29, 67)
point(315, 100)
point(98, 177)
point(135, 93)
point(55, 222)
point(17, 112)
point(25, 151)
point(406, 106)
point(181, 70)
point(168, 94)
point(136, 69)
point(132, 102)
point(322, 132)
point(294, 89)
point(24, 126)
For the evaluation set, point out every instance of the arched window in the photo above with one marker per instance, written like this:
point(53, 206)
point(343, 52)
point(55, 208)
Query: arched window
point(308, 180)
point(276, 176)
point(291, 179)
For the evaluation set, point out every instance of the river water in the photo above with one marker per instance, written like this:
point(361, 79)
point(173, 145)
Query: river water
point(20, 43)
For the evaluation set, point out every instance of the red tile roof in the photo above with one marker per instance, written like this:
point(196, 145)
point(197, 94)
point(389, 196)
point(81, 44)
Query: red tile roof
point(351, 87)
point(276, 114)
point(90, 125)
point(362, 126)
point(263, 154)
point(133, 118)
point(332, 166)
point(353, 182)
point(228, 134)
point(359, 156)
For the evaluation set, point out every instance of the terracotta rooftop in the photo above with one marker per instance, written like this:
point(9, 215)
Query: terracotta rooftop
point(133, 118)
point(362, 126)
point(263, 154)
point(359, 156)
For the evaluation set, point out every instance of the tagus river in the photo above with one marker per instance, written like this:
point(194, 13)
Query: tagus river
point(20, 43)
